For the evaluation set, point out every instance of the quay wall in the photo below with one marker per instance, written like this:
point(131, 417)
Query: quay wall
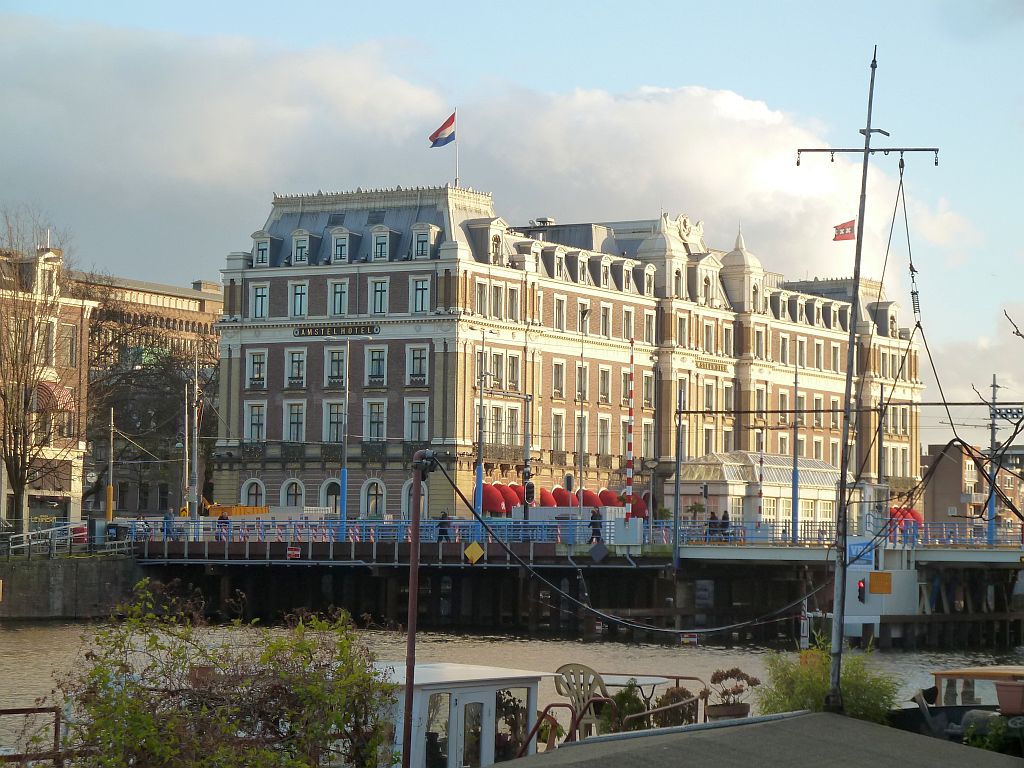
point(66, 587)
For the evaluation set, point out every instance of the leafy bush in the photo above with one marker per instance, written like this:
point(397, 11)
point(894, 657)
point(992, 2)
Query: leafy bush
point(682, 715)
point(157, 688)
point(730, 686)
point(628, 701)
point(802, 682)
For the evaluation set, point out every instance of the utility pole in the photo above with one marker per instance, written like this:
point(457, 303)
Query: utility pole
point(794, 512)
point(193, 482)
point(679, 469)
point(110, 471)
point(834, 699)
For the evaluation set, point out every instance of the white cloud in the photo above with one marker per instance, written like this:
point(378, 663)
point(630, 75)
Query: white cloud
point(165, 149)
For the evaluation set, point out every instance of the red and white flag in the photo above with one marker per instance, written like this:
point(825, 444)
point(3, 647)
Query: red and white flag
point(846, 230)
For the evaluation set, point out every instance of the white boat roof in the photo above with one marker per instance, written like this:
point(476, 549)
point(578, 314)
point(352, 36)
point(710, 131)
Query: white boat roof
point(445, 673)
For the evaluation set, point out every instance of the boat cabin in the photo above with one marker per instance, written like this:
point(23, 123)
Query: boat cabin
point(465, 715)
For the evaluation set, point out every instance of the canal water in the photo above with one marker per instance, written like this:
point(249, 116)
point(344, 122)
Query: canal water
point(32, 654)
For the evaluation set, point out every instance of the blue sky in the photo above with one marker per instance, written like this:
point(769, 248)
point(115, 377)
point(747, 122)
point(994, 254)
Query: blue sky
point(157, 132)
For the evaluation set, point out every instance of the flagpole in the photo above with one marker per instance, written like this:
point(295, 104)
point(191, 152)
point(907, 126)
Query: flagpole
point(456, 148)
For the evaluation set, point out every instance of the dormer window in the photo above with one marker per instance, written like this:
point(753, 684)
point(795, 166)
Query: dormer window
point(627, 280)
point(648, 284)
point(707, 291)
point(300, 250)
point(380, 247)
point(496, 249)
point(424, 236)
point(606, 276)
point(559, 266)
point(584, 273)
point(262, 255)
point(339, 252)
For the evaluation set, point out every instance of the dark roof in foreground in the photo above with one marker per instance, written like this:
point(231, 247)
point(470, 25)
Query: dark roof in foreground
point(796, 740)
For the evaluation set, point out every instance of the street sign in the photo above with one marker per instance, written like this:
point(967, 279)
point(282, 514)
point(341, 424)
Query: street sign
point(880, 582)
point(860, 554)
point(91, 477)
point(473, 552)
point(293, 552)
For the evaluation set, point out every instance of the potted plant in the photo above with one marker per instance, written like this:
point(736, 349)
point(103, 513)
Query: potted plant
point(726, 695)
point(1011, 697)
point(628, 701)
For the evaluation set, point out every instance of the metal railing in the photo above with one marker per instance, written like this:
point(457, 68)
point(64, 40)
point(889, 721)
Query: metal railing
point(64, 539)
point(652, 539)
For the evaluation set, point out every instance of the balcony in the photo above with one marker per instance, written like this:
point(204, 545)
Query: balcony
point(293, 451)
point(558, 458)
point(254, 450)
point(975, 499)
point(374, 450)
point(375, 381)
point(502, 453)
point(336, 382)
point(296, 382)
point(257, 382)
point(331, 452)
point(604, 461)
point(417, 380)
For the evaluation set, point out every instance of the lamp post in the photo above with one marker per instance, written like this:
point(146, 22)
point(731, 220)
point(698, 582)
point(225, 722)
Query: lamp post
point(581, 383)
point(343, 472)
point(650, 465)
point(482, 374)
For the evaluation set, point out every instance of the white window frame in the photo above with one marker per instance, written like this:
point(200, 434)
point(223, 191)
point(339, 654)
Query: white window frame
point(410, 351)
point(250, 355)
point(253, 288)
point(333, 308)
point(248, 421)
point(372, 283)
point(300, 249)
point(326, 420)
point(368, 351)
point(292, 294)
point(261, 252)
point(288, 352)
point(286, 424)
point(327, 366)
point(415, 294)
point(409, 403)
point(367, 403)
point(628, 322)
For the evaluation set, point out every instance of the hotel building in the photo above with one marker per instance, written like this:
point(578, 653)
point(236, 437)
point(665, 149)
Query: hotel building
point(360, 327)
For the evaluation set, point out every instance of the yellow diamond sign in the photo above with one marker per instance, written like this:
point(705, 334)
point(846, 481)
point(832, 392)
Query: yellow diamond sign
point(473, 552)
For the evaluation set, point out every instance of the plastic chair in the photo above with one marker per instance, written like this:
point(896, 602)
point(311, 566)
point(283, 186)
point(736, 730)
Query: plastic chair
point(579, 683)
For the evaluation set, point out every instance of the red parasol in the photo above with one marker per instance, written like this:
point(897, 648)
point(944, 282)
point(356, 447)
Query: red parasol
point(508, 495)
point(563, 498)
point(546, 499)
point(590, 499)
point(520, 493)
point(609, 498)
point(494, 502)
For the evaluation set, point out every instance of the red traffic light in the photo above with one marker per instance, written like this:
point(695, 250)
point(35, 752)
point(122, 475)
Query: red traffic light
point(860, 590)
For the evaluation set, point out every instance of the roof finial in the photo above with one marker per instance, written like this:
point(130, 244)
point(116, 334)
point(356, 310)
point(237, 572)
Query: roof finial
point(740, 245)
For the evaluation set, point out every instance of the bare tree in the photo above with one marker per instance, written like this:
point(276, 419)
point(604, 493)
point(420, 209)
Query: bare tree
point(43, 384)
point(139, 363)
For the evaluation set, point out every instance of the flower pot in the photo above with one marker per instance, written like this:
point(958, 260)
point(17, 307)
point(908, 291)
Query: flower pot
point(1011, 697)
point(727, 711)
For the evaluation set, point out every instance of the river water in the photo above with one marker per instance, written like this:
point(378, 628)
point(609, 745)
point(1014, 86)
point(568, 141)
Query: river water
point(32, 654)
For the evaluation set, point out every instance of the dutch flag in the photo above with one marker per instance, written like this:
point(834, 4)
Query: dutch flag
point(445, 134)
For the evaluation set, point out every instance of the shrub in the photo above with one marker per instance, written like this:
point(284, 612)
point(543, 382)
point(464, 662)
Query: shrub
point(156, 688)
point(628, 701)
point(802, 682)
point(680, 715)
point(730, 686)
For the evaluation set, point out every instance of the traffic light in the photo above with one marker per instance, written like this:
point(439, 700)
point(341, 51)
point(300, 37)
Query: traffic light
point(860, 590)
point(704, 490)
point(530, 492)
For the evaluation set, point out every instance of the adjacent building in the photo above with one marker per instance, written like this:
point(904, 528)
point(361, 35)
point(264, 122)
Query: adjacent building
point(44, 384)
point(958, 488)
point(359, 327)
point(145, 339)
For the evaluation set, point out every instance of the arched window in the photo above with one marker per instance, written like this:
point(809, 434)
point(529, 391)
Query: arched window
point(252, 494)
point(292, 494)
point(407, 500)
point(332, 495)
point(374, 499)
point(678, 287)
point(754, 306)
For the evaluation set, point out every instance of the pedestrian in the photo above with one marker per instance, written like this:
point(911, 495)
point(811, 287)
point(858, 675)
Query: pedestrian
point(443, 527)
point(595, 525)
point(141, 527)
point(724, 525)
point(168, 525)
point(712, 533)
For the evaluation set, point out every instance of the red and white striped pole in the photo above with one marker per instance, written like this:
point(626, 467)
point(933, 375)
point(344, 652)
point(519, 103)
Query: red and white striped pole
point(629, 440)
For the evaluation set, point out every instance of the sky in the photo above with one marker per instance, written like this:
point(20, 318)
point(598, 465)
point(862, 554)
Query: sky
point(157, 133)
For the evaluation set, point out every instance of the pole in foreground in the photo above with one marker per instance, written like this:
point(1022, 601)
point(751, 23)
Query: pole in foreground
point(422, 461)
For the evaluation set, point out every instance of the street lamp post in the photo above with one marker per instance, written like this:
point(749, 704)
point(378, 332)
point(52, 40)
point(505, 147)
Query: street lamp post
point(482, 374)
point(581, 386)
point(343, 473)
